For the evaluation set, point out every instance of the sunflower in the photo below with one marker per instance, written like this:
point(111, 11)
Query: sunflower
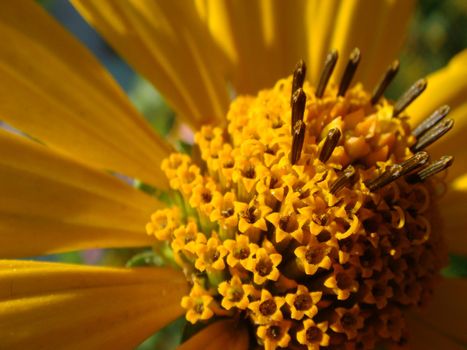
point(309, 214)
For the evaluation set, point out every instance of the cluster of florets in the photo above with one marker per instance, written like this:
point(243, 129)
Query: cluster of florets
point(311, 257)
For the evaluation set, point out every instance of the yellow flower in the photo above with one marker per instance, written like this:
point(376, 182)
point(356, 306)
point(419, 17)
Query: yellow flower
point(198, 304)
point(329, 185)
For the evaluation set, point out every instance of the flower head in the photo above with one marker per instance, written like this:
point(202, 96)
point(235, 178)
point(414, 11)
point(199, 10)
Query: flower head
point(341, 243)
point(306, 216)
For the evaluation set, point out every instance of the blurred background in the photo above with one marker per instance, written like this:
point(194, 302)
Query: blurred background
point(438, 31)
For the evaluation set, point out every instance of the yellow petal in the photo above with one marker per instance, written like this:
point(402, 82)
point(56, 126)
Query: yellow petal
point(167, 42)
point(377, 28)
point(77, 307)
point(423, 338)
point(447, 86)
point(50, 203)
point(263, 39)
point(228, 335)
point(285, 29)
point(446, 313)
point(322, 19)
point(388, 41)
point(453, 215)
point(52, 88)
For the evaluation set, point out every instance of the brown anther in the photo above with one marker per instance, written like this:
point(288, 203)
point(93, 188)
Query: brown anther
point(348, 320)
point(349, 72)
point(298, 107)
point(303, 302)
point(344, 280)
point(398, 170)
point(409, 96)
point(298, 78)
point(431, 121)
point(384, 82)
point(268, 307)
point(207, 197)
point(250, 215)
point(417, 160)
point(212, 255)
point(229, 164)
point(199, 308)
point(249, 172)
point(284, 222)
point(264, 267)
point(324, 236)
point(432, 135)
point(379, 290)
point(298, 138)
point(343, 180)
point(314, 255)
point(277, 124)
point(274, 332)
point(388, 176)
point(242, 253)
point(329, 64)
point(332, 139)
point(313, 335)
point(228, 212)
point(236, 296)
point(323, 219)
point(432, 169)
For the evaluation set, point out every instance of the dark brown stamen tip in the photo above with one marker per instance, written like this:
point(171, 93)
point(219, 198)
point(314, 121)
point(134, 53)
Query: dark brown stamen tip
point(388, 176)
point(409, 96)
point(298, 77)
point(431, 121)
point(384, 82)
point(298, 107)
point(330, 143)
point(349, 71)
point(298, 137)
point(433, 135)
point(432, 169)
point(329, 64)
point(343, 180)
point(398, 170)
point(419, 159)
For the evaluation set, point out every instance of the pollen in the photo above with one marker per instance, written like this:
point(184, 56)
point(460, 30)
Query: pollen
point(311, 215)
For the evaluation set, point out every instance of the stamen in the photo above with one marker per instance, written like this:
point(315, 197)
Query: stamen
point(297, 141)
point(329, 64)
point(431, 121)
point(398, 170)
point(409, 96)
point(349, 71)
point(343, 180)
point(388, 176)
point(432, 169)
point(418, 160)
point(330, 143)
point(433, 135)
point(298, 106)
point(298, 77)
point(384, 82)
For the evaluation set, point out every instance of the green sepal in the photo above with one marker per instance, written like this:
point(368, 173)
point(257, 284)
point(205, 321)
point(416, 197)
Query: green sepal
point(147, 258)
point(184, 147)
point(163, 196)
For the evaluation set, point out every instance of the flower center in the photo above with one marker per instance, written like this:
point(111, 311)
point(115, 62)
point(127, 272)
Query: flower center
point(311, 214)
